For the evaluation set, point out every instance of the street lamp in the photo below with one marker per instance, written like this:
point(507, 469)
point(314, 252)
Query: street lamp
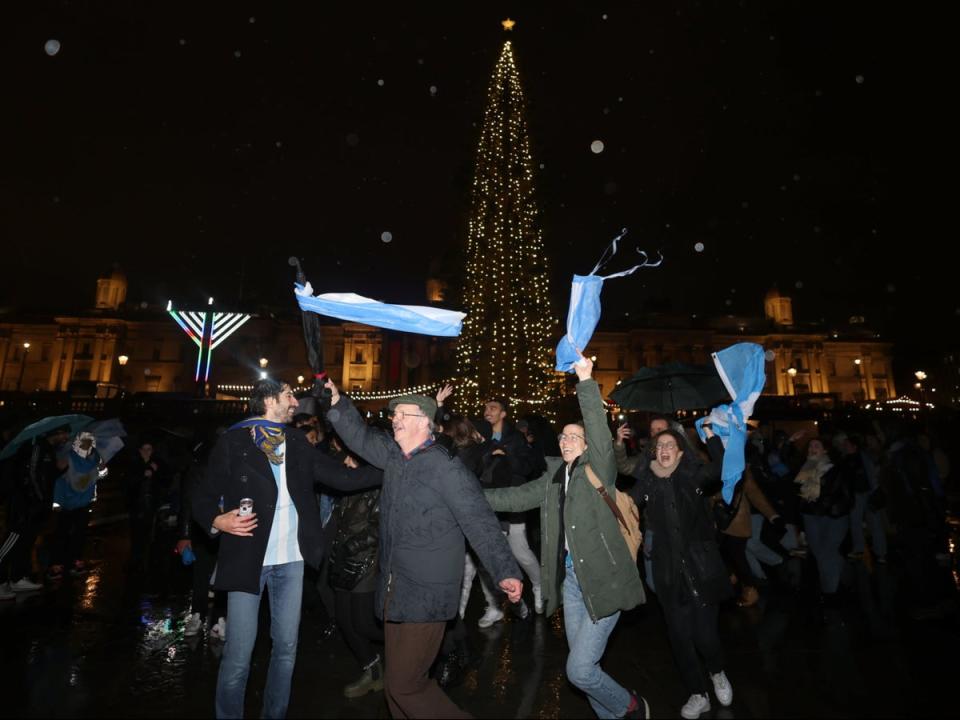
point(792, 372)
point(921, 376)
point(300, 379)
point(264, 362)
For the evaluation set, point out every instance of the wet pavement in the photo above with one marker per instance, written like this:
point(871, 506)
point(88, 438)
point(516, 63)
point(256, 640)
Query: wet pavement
point(105, 645)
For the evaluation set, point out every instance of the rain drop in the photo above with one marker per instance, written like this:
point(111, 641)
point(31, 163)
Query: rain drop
point(183, 41)
point(353, 139)
point(859, 79)
point(769, 356)
point(698, 247)
point(798, 284)
point(386, 236)
point(728, 302)
point(279, 143)
point(604, 16)
point(620, 99)
point(596, 147)
point(542, 166)
point(380, 82)
point(236, 53)
point(51, 47)
point(796, 177)
point(252, 20)
point(891, 288)
point(433, 89)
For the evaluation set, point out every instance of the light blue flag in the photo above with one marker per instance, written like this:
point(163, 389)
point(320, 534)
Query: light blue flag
point(584, 312)
point(741, 367)
point(405, 318)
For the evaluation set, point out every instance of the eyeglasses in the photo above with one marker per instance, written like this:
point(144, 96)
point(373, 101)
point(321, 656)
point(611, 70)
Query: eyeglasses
point(400, 415)
point(666, 446)
point(562, 437)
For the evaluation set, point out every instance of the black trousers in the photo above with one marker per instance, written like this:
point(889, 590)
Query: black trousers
point(357, 622)
point(734, 551)
point(205, 548)
point(693, 628)
point(70, 536)
point(16, 553)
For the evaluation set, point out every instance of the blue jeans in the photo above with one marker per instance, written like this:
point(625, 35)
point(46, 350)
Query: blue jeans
point(758, 552)
point(878, 537)
point(824, 536)
point(588, 641)
point(285, 584)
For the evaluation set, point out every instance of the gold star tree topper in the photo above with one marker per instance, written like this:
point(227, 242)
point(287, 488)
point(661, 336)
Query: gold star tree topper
point(508, 24)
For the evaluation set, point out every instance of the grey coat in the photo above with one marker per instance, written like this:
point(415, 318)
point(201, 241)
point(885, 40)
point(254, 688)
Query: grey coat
point(429, 502)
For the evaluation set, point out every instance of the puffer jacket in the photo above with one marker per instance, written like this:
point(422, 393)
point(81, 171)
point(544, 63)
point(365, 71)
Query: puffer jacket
point(605, 569)
point(353, 558)
point(430, 501)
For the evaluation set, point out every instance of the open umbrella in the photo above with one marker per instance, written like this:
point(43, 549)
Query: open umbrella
point(671, 387)
point(42, 427)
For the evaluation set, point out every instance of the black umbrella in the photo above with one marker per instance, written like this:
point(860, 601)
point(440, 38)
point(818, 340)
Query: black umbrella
point(313, 339)
point(671, 387)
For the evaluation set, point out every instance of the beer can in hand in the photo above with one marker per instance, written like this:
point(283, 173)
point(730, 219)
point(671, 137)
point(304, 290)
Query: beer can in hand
point(246, 507)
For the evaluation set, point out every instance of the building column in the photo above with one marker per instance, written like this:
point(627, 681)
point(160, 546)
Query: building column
point(55, 364)
point(97, 354)
point(68, 363)
point(110, 348)
point(868, 374)
point(4, 349)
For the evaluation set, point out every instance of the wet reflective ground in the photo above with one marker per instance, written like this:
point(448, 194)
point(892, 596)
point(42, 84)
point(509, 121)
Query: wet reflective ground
point(102, 645)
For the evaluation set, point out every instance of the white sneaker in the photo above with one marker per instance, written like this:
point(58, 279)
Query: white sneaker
point(25, 584)
point(696, 705)
point(722, 688)
point(192, 624)
point(6, 593)
point(538, 600)
point(490, 616)
point(219, 631)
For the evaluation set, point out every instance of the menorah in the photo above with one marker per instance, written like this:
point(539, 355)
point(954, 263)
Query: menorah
point(208, 330)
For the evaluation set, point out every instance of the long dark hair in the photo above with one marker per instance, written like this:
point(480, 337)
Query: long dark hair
point(461, 431)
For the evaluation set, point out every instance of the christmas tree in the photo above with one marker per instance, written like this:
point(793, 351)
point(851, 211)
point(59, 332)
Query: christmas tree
point(505, 349)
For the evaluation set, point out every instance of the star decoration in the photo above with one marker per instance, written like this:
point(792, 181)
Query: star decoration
point(508, 24)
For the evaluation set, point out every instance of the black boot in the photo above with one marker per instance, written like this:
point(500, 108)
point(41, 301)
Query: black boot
point(449, 672)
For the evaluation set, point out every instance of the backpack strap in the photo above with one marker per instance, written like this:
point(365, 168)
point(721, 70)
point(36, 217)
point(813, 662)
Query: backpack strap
point(611, 503)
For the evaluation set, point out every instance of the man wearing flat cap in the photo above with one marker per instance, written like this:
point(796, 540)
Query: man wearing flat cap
point(430, 501)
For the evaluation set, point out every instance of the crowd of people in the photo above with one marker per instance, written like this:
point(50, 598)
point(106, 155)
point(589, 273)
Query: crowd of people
point(388, 527)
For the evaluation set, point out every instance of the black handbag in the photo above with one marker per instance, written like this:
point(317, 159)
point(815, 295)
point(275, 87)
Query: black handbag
point(724, 514)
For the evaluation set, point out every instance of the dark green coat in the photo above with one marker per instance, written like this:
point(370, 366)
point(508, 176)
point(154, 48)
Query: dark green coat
point(607, 572)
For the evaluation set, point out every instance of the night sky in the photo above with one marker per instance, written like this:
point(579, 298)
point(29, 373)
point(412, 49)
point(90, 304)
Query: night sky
point(199, 146)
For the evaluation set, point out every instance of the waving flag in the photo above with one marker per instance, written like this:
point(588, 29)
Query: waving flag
point(584, 312)
point(405, 318)
point(741, 368)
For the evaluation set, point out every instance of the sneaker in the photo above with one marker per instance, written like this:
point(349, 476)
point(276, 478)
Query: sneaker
point(6, 593)
point(881, 559)
point(639, 709)
point(696, 705)
point(219, 630)
point(854, 556)
point(798, 552)
point(490, 616)
point(371, 680)
point(25, 584)
point(192, 625)
point(722, 688)
point(537, 600)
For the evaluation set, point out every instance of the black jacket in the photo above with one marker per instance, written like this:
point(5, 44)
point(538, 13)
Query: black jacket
point(238, 469)
point(686, 560)
point(429, 502)
point(353, 558)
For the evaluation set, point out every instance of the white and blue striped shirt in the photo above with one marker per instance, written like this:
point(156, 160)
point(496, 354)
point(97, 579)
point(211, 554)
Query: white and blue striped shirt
point(283, 546)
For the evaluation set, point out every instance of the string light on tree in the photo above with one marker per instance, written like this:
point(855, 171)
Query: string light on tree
point(505, 348)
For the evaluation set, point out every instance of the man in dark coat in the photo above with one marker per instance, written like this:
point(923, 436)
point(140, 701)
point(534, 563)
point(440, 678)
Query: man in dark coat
point(263, 462)
point(429, 502)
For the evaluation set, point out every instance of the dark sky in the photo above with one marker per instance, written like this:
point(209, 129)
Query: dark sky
point(201, 144)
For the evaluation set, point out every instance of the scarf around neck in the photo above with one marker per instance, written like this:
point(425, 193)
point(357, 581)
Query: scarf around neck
point(267, 435)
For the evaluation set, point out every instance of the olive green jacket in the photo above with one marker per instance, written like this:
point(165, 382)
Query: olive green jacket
point(607, 572)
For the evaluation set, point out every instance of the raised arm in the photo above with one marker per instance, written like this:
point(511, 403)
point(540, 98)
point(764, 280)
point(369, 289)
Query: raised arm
point(599, 443)
point(370, 444)
point(520, 498)
point(334, 474)
point(473, 514)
